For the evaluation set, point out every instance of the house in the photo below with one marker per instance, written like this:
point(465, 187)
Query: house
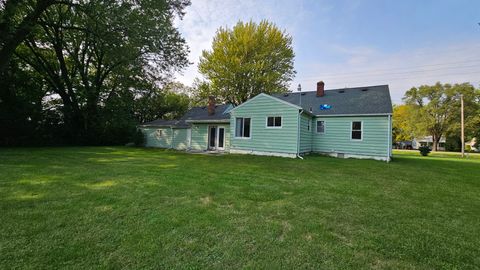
point(428, 141)
point(347, 122)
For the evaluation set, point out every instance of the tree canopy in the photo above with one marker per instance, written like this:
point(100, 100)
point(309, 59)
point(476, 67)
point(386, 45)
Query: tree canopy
point(246, 60)
point(435, 110)
point(93, 60)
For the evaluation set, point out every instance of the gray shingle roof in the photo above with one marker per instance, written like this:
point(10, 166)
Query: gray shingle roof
point(201, 113)
point(347, 101)
point(194, 114)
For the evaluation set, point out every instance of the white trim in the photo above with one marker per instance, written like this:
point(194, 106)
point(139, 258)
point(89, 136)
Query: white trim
point(281, 121)
point(209, 121)
point(298, 131)
point(262, 153)
point(265, 95)
point(243, 128)
point(189, 138)
point(361, 131)
point(324, 127)
point(364, 114)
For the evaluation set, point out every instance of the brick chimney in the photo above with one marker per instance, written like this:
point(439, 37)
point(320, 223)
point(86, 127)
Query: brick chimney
point(320, 89)
point(211, 105)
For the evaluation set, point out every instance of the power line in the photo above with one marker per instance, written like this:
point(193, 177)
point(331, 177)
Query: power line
point(399, 78)
point(399, 73)
point(397, 68)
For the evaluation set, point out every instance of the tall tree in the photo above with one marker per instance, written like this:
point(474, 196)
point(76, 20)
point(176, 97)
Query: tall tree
point(103, 50)
point(437, 108)
point(403, 123)
point(17, 20)
point(249, 59)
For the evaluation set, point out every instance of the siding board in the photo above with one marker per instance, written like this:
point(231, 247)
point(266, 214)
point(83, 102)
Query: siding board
point(263, 139)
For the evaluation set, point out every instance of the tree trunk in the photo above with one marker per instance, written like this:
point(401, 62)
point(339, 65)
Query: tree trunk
point(12, 40)
point(435, 140)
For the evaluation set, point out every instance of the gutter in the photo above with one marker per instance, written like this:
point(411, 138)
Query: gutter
point(364, 114)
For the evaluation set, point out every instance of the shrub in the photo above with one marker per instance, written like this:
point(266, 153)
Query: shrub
point(468, 148)
point(139, 138)
point(424, 150)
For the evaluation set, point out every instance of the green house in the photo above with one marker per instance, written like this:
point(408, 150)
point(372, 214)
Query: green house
point(346, 123)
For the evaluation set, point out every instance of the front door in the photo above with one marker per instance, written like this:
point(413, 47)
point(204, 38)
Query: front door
point(216, 138)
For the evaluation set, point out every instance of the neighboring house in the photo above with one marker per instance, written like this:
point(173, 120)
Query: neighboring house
point(349, 122)
point(473, 145)
point(428, 141)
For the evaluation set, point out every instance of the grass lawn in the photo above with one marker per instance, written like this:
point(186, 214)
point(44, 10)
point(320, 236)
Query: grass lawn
point(118, 207)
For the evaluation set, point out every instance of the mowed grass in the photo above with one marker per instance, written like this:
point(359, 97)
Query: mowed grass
point(118, 207)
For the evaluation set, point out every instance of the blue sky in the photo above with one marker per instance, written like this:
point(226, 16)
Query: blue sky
point(356, 43)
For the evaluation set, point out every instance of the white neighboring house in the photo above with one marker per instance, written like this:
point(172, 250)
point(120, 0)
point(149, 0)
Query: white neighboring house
point(428, 141)
point(473, 145)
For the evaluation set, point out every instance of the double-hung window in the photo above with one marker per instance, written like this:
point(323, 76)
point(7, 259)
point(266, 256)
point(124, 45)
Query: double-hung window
point(242, 127)
point(356, 130)
point(274, 121)
point(321, 127)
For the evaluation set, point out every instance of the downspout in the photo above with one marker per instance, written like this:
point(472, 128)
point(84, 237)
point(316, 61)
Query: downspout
point(389, 139)
point(173, 137)
point(298, 134)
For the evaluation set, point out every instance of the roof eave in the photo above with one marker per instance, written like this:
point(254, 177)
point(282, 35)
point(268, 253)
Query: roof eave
point(209, 121)
point(354, 114)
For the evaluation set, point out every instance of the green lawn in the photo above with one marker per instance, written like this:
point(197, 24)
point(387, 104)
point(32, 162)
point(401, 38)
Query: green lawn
point(117, 207)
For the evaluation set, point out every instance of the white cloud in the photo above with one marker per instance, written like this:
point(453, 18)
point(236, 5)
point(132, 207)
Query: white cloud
point(352, 65)
point(447, 63)
point(203, 18)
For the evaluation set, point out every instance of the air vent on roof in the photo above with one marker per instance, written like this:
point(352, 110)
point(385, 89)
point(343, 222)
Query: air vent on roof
point(341, 91)
point(365, 89)
point(285, 95)
point(303, 94)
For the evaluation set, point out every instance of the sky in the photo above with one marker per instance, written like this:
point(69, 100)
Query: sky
point(355, 43)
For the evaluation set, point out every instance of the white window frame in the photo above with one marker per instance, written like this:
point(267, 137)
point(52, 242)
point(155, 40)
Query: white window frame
point(324, 126)
point(266, 121)
point(361, 131)
point(243, 128)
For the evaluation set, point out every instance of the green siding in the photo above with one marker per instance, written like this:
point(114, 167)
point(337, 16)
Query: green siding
point(306, 133)
point(337, 138)
point(279, 140)
point(163, 141)
point(180, 140)
point(200, 135)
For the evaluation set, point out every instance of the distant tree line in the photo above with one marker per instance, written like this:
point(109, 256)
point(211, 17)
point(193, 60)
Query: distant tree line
point(86, 72)
point(434, 110)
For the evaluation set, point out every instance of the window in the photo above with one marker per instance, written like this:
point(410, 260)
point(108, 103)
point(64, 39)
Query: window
point(308, 125)
point(158, 133)
point(321, 127)
point(274, 121)
point(242, 127)
point(357, 130)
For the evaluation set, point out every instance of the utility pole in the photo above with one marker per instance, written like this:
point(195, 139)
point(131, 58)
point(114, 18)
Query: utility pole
point(463, 131)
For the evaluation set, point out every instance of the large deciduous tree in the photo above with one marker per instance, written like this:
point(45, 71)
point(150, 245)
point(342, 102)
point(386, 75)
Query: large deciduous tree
point(18, 19)
point(403, 123)
point(249, 59)
point(98, 55)
point(436, 108)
